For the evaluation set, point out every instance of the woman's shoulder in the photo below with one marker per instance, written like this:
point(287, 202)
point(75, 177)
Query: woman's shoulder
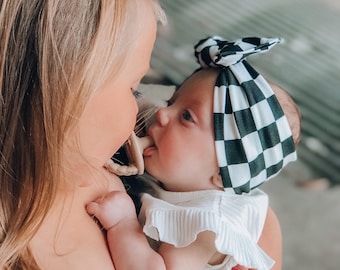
point(70, 239)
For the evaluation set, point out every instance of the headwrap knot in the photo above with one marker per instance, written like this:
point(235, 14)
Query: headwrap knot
point(217, 52)
point(253, 139)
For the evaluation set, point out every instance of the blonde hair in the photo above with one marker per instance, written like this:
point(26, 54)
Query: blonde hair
point(53, 55)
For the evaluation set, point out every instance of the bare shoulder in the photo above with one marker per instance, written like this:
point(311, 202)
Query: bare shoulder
point(76, 243)
point(91, 255)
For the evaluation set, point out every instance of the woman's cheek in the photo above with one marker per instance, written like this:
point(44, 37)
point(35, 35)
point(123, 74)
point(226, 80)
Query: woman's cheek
point(123, 123)
point(106, 123)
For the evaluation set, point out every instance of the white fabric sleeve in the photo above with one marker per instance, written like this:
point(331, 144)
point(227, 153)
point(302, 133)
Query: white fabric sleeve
point(237, 221)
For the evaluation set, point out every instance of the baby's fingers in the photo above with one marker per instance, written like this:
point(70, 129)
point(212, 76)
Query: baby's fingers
point(92, 208)
point(104, 217)
point(115, 207)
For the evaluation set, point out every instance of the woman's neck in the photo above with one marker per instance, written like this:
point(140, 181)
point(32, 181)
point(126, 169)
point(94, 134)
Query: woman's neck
point(89, 182)
point(67, 228)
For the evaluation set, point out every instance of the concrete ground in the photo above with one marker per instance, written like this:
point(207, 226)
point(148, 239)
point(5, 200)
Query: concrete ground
point(309, 218)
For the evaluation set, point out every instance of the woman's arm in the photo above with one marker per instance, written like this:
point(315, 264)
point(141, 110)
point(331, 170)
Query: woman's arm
point(271, 239)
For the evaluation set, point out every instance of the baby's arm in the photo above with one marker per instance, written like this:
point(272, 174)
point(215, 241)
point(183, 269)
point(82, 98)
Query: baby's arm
point(195, 256)
point(128, 245)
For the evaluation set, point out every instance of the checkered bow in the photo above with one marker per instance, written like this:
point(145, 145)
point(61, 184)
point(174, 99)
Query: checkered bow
point(252, 136)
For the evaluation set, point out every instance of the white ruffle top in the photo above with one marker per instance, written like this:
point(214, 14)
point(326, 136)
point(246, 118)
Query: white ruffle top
point(237, 220)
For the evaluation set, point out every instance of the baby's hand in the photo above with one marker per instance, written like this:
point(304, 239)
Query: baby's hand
point(114, 208)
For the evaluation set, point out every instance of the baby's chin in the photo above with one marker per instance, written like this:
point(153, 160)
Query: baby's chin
point(146, 164)
point(149, 168)
point(152, 170)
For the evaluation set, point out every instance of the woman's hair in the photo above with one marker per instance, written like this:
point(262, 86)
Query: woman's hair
point(53, 55)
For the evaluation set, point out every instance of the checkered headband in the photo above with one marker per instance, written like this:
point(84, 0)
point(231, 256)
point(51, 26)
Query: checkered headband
point(253, 139)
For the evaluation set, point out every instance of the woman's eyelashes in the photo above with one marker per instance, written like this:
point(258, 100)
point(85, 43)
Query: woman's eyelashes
point(170, 101)
point(136, 93)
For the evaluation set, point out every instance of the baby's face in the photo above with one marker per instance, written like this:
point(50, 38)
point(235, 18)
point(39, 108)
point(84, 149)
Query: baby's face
point(184, 157)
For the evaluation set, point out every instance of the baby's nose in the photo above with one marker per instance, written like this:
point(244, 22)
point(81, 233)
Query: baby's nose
point(162, 116)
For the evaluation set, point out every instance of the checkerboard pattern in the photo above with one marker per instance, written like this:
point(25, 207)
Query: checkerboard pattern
point(217, 52)
point(252, 135)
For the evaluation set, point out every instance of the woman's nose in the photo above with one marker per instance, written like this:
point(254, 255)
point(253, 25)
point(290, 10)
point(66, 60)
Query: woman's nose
point(162, 116)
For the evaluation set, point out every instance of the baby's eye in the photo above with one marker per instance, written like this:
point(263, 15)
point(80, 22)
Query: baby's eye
point(187, 116)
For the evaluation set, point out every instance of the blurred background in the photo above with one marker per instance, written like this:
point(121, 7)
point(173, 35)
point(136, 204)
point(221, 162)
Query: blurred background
point(305, 195)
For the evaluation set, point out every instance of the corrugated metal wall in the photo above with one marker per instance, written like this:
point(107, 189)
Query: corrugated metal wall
point(307, 64)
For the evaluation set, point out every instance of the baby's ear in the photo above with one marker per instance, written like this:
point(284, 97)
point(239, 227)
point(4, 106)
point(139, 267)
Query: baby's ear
point(216, 180)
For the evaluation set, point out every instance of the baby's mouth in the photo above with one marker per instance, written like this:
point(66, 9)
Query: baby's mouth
point(149, 150)
point(134, 148)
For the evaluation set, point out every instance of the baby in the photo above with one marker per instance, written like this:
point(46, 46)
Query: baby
point(223, 134)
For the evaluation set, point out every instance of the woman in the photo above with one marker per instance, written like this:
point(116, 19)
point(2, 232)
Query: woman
point(68, 72)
